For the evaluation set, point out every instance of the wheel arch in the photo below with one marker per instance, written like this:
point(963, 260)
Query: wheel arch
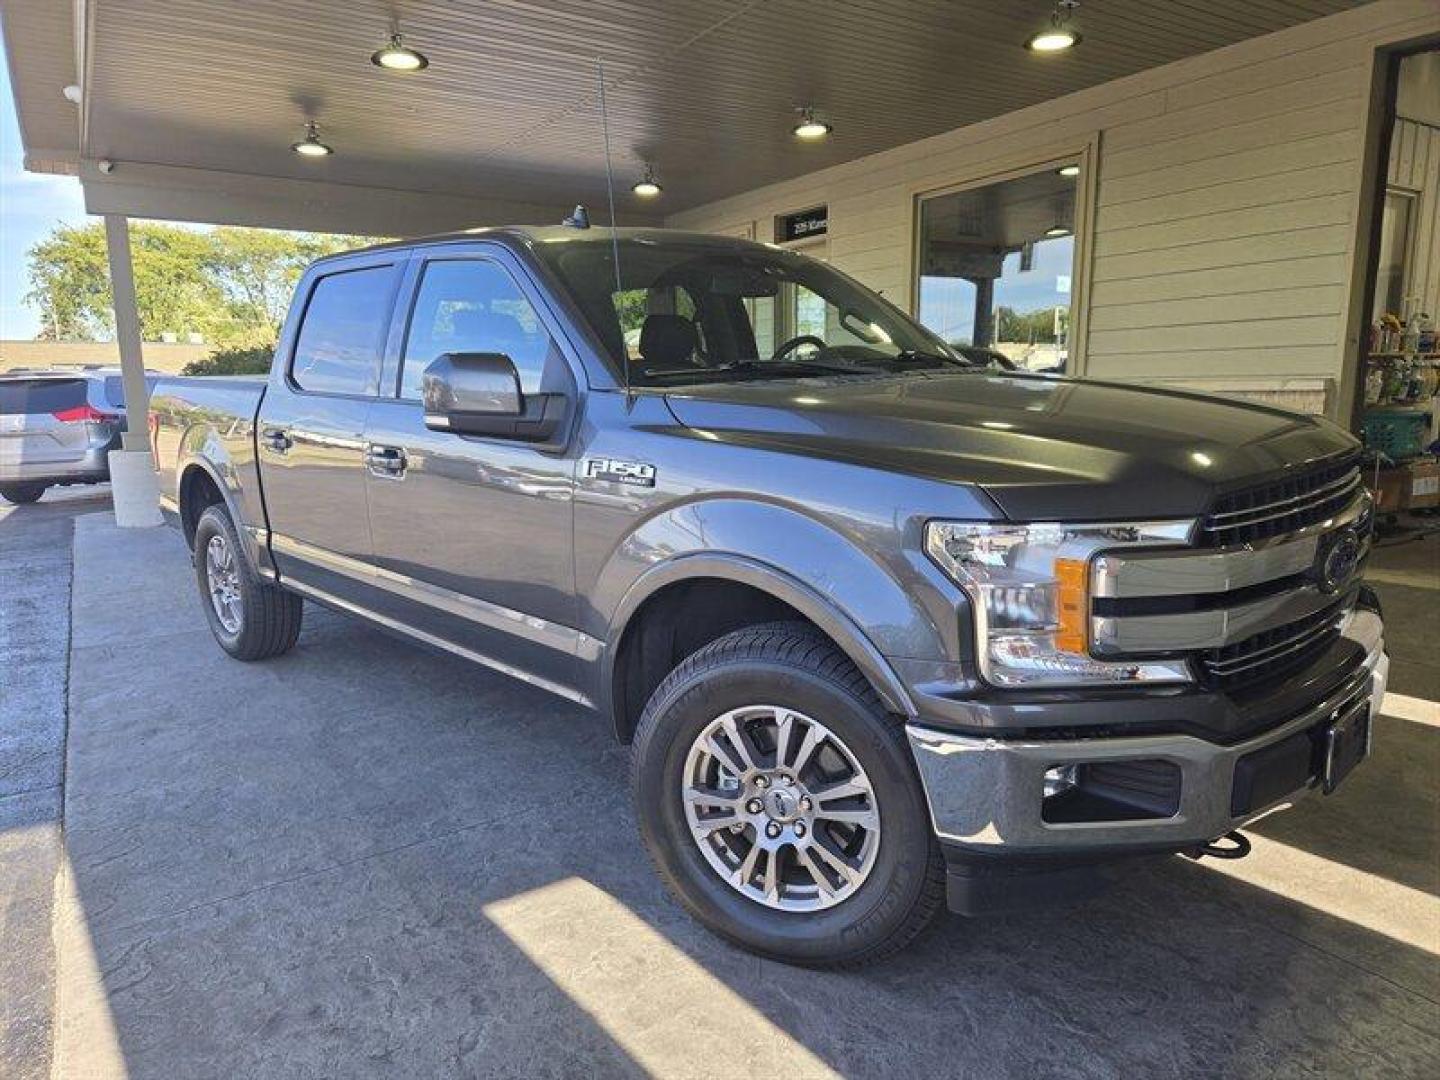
point(757, 592)
point(202, 485)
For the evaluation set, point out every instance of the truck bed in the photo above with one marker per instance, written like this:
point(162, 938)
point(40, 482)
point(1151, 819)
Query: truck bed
point(209, 417)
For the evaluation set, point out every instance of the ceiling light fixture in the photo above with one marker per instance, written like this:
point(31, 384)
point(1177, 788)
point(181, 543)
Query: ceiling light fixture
point(810, 127)
point(311, 146)
point(647, 187)
point(395, 55)
point(1058, 36)
point(1057, 230)
point(1068, 170)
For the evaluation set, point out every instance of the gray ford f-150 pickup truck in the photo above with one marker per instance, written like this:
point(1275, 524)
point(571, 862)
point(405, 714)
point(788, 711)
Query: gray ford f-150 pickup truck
point(885, 627)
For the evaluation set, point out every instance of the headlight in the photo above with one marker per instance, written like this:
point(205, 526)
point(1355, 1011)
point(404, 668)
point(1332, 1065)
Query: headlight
point(1030, 587)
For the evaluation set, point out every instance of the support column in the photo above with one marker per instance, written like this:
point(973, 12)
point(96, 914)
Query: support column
point(134, 487)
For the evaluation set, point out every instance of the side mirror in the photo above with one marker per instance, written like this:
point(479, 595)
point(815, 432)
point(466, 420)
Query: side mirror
point(474, 393)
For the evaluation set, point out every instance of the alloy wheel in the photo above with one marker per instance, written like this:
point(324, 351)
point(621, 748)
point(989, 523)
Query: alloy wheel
point(781, 808)
point(222, 576)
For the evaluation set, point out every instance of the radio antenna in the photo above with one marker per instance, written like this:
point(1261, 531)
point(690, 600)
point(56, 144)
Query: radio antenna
point(614, 240)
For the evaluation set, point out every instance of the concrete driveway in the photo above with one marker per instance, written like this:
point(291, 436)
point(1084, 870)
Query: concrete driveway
point(362, 859)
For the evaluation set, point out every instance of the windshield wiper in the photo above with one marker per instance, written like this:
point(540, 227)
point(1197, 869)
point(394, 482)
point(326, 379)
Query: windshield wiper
point(766, 367)
point(811, 365)
point(919, 356)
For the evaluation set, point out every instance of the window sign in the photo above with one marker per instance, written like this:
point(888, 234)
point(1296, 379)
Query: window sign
point(802, 226)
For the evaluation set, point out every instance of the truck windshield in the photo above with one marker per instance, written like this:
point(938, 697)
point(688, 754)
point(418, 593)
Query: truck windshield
point(691, 311)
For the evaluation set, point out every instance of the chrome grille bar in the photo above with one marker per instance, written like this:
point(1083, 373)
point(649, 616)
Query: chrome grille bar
point(1253, 515)
point(1269, 654)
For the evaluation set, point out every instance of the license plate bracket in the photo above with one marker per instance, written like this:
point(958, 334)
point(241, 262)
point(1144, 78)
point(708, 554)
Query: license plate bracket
point(1346, 742)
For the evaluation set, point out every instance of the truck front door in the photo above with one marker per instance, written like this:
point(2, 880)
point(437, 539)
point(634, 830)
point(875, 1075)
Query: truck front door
point(473, 536)
point(311, 427)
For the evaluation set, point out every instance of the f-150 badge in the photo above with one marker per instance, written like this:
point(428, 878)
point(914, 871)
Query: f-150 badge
point(634, 473)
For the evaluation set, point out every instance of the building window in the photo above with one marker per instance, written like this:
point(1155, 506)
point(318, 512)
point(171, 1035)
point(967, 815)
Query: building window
point(997, 266)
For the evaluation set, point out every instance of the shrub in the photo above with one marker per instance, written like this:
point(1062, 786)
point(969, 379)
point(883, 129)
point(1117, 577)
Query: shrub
point(238, 360)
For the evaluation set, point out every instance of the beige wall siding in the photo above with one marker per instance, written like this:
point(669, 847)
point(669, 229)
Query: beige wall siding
point(1415, 166)
point(159, 356)
point(1225, 193)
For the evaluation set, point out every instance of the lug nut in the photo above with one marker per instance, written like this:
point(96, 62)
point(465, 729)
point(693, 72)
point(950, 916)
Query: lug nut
point(799, 828)
point(753, 806)
point(762, 781)
point(788, 781)
point(772, 830)
point(806, 804)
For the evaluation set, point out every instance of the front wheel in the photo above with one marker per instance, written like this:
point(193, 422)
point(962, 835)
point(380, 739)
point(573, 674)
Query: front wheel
point(250, 618)
point(20, 494)
point(780, 804)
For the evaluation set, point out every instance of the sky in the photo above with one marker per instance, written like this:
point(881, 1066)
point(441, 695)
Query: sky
point(31, 205)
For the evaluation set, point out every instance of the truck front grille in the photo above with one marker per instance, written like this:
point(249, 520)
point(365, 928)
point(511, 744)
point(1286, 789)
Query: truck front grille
point(1281, 506)
point(1269, 654)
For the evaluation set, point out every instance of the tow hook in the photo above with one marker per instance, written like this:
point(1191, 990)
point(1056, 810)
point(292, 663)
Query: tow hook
point(1236, 846)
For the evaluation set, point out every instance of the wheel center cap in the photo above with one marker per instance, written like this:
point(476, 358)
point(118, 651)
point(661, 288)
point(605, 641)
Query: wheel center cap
point(782, 805)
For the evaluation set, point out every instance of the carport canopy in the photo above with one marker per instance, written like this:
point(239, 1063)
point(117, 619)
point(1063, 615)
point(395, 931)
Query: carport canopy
point(187, 109)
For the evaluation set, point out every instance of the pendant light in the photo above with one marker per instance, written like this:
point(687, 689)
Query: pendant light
point(810, 128)
point(395, 55)
point(311, 146)
point(647, 187)
point(1059, 35)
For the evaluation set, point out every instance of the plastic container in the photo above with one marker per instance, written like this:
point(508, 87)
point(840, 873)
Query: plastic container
point(1399, 434)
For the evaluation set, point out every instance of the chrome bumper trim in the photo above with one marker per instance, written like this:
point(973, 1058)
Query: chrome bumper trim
point(986, 793)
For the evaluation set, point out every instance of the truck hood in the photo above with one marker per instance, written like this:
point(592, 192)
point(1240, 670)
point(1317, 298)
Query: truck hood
point(1041, 448)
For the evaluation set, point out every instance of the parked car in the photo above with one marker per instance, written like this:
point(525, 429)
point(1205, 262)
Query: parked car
point(57, 427)
point(884, 628)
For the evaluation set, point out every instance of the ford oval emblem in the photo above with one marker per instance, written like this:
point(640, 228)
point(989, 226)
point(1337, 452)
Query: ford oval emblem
point(1337, 561)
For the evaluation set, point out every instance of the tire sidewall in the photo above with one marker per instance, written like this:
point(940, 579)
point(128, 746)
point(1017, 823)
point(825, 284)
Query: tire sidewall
point(864, 920)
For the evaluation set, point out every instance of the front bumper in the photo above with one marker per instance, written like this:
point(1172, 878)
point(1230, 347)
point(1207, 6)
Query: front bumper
point(986, 794)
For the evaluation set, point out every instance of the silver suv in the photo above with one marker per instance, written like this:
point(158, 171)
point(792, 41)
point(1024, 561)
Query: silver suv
point(57, 427)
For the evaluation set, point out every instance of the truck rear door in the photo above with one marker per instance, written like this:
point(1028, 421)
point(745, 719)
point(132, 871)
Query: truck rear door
point(311, 425)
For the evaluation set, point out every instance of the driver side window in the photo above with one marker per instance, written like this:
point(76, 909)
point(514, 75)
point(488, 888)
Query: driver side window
point(473, 305)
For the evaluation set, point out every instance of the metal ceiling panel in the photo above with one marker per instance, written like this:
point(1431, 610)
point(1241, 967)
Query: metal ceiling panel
point(706, 89)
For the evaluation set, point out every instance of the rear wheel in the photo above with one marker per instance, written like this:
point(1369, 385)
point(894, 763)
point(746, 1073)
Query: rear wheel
point(780, 803)
point(22, 493)
point(250, 618)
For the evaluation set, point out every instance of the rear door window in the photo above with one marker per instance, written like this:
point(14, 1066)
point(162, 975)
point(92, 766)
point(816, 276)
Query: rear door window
point(341, 338)
point(21, 396)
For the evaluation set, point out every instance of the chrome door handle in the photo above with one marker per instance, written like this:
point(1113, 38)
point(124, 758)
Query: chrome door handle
point(276, 440)
point(386, 461)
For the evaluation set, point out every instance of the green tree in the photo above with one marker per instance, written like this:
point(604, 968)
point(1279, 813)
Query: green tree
point(236, 360)
point(231, 285)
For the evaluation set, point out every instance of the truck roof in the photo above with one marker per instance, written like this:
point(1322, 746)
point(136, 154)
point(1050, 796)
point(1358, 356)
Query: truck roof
point(528, 235)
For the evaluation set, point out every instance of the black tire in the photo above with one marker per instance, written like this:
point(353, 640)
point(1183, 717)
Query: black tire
point(20, 494)
point(793, 666)
point(269, 621)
